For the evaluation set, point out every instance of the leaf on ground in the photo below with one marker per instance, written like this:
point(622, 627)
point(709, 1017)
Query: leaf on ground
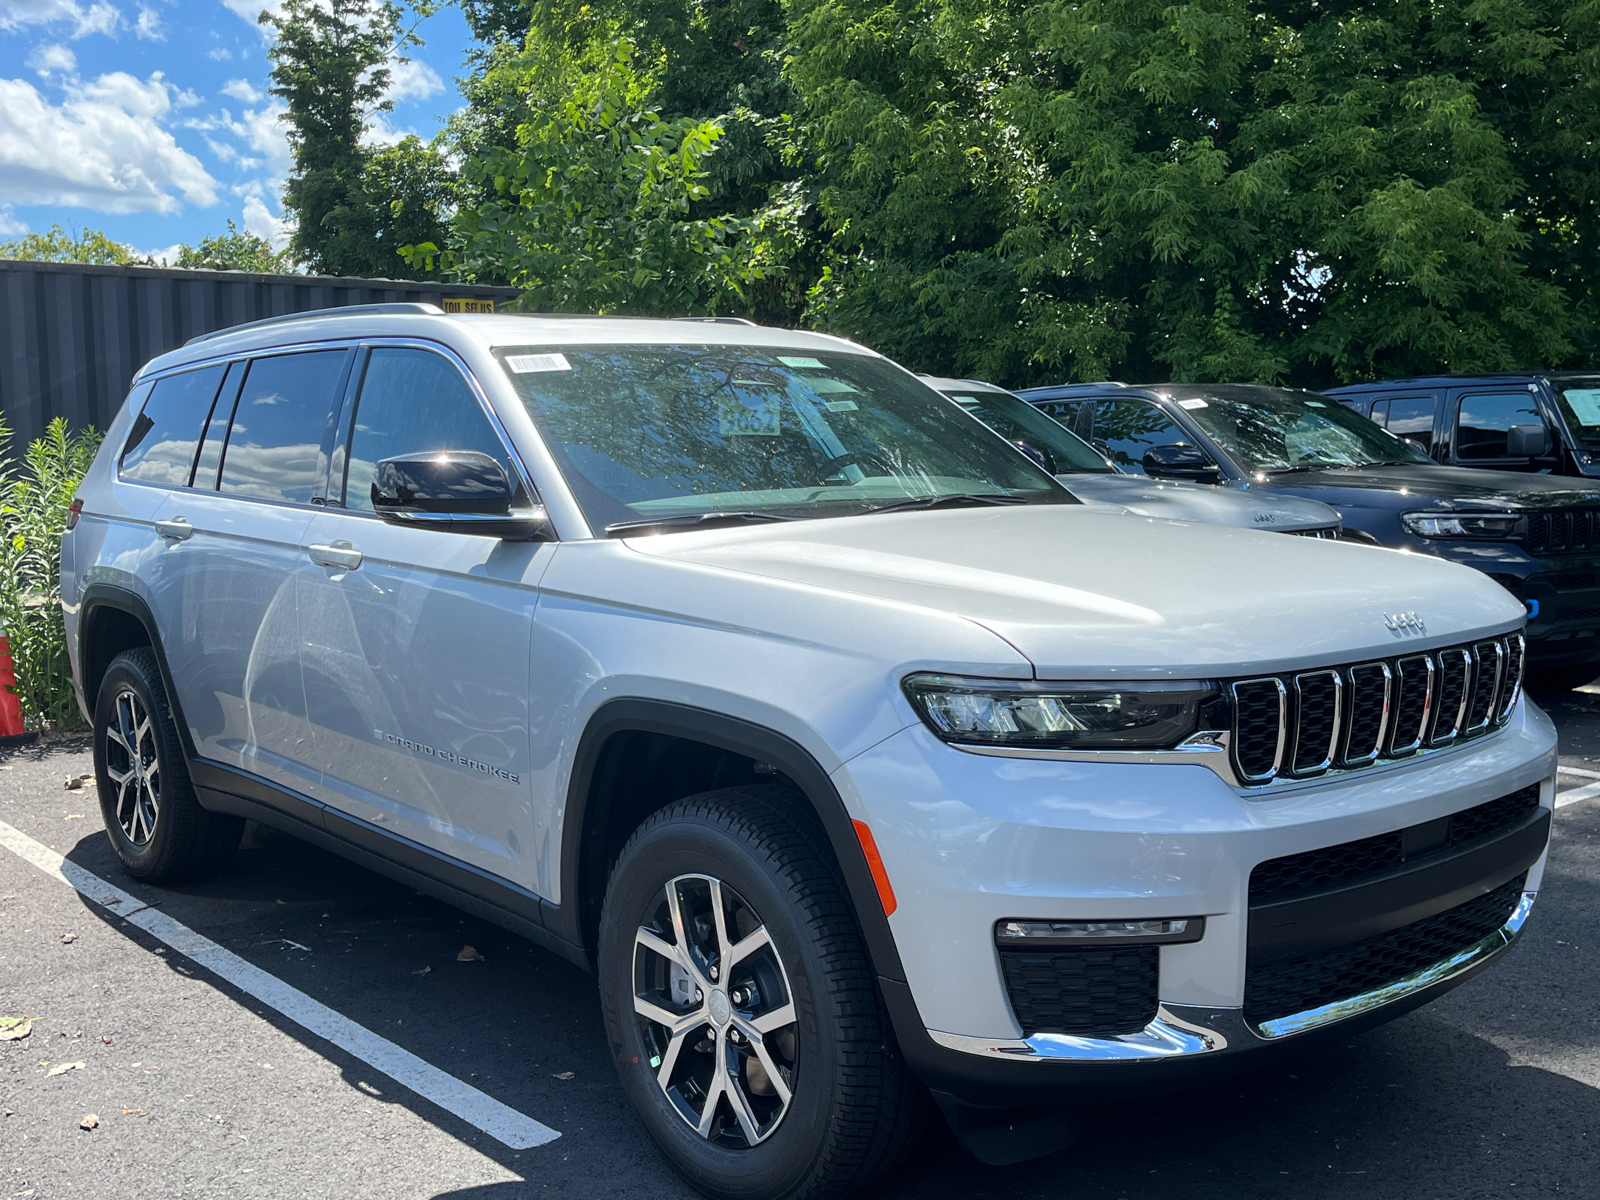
point(424, 971)
point(92, 1121)
point(68, 938)
point(14, 1029)
point(63, 1068)
point(73, 817)
point(469, 954)
point(105, 1039)
point(564, 1075)
point(134, 1112)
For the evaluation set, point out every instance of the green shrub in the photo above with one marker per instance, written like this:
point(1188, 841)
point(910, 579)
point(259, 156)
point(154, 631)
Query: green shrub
point(35, 496)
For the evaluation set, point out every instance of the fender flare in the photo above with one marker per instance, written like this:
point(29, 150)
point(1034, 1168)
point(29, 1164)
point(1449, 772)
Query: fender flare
point(638, 715)
point(106, 595)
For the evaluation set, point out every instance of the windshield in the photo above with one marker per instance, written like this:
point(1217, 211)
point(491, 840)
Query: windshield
point(1014, 419)
point(1580, 405)
point(1276, 429)
point(674, 431)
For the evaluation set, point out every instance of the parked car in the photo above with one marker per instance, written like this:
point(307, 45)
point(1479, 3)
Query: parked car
point(1095, 479)
point(724, 660)
point(1537, 536)
point(1539, 421)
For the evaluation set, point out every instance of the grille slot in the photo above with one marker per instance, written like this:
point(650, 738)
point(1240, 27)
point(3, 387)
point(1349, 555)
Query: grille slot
point(1565, 531)
point(1088, 991)
point(1292, 985)
point(1414, 682)
point(1318, 699)
point(1259, 722)
point(1296, 726)
point(1450, 709)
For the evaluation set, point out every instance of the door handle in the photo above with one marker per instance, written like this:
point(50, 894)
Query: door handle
point(340, 554)
point(178, 529)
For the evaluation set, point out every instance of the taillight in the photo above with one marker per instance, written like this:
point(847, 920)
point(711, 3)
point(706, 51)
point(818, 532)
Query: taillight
point(74, 512)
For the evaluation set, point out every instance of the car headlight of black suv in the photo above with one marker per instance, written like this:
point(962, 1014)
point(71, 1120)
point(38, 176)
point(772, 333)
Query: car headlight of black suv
point(1498, 526)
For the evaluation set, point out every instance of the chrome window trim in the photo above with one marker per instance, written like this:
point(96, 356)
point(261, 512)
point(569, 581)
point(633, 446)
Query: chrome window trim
point(1338, 717)
point(1427, 705)
point(1283, 724)
point(1349, 760)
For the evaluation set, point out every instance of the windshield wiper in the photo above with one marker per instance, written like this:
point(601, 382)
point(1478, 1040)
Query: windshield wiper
point(955, 500)
point(696, 521)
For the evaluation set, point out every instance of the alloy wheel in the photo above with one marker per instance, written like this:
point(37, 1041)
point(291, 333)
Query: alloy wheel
point(133, 767)
point(714, 1005)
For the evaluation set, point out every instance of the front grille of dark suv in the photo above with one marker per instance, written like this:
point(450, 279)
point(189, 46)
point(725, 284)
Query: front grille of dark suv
point(1299, 725)
point(1293, 985)
point(1087, 991)
point(1312, 870)
point(1330, 534)
point(1564, 531)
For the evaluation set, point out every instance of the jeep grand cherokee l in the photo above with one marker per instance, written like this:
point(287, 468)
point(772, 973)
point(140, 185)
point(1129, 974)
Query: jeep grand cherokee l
point(861, 763)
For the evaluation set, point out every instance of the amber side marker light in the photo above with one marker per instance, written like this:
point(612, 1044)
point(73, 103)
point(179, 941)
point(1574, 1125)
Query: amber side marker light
point(880, 877)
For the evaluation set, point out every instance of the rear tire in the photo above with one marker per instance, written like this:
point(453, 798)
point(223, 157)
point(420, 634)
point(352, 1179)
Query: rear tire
point(842, 1108)
point(154, 821)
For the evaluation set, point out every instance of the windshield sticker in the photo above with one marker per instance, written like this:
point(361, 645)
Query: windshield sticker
point(829, 386)
point(530, 364)
point(1193, 404)
point(799, 362)
point(747, 416)
point(1315, 404)
point(1585, 404)
point(841, 405)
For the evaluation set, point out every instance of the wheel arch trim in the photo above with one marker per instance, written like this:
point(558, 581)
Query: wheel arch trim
point(105, 595)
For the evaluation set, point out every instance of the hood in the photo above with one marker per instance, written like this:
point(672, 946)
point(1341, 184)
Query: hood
point(1088, 593)
point(1200, 502)
point(1447, 488)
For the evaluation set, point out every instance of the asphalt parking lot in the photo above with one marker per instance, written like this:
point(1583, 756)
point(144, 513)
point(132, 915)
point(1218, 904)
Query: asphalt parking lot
point(203, 1090)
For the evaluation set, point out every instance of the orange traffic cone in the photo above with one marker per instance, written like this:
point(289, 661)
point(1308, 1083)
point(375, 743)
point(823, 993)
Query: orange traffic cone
point(11, 731)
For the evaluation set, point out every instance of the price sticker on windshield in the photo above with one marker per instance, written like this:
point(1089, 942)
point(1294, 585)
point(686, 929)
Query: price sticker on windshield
point(532, 364)
point(1193, 404)
point(800, 362)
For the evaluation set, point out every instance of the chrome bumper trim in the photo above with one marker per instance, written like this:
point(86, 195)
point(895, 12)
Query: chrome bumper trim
point(1181, 1031)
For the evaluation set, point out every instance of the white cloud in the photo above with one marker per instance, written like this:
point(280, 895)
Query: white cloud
point(165, 257)
point(99, 17)
point(250, 11)
point(412, 79)
point(148, 26)
point(46, 59)
point(9, 225)
point(219, 54)
point(240, 89)
point(104, 148)
point(258, 219)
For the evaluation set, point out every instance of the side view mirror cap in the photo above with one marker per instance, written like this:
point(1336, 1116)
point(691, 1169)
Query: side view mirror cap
point(454, 491)
point(1527, 441)
point(1038, 454)
point(1179, 461)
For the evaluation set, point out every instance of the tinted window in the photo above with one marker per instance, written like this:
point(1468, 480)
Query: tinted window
point(1128, 428)
point(205, 467)
point(413, 401)
point(161, 445)
point(1018, 421)
point(275, 444)
point(1482, 422)
point(1076, 415)
point(1580, 404)
point(1380, 413)
point(1408, 417)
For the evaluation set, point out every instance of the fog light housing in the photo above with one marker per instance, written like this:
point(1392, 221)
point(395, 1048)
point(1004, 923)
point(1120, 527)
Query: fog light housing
point(1156, 931)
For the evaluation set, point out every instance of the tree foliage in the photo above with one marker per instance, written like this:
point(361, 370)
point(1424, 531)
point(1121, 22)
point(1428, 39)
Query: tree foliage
point(79, 246)
point(353, 206)
point(236, 250)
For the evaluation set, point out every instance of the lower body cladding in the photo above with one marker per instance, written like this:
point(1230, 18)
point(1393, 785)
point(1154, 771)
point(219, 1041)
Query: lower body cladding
point(1071, 928)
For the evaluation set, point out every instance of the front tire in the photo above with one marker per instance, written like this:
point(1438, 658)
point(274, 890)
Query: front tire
point(741, 1006)
point(154, 821)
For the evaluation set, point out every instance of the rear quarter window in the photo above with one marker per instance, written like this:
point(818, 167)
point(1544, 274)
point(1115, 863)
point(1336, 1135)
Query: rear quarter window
point(162, 443)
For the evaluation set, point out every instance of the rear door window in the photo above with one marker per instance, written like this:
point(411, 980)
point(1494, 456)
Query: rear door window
point(1127, 428)
point(1483, 418)
point(1076, 415)
point(414, 401)
point(162, 443)
point(1408, 417)
point(276, 443)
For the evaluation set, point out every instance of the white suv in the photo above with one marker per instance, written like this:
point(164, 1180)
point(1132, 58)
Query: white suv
point(860, 761)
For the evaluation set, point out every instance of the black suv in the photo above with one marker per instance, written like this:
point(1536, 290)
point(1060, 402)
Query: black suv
point(1538, 536)
point(1546, 422)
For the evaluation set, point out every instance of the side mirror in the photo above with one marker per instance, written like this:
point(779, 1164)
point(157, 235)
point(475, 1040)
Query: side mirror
point(1038, 453)
point(1178, 461)
point(1527, 441)
point(453, 491)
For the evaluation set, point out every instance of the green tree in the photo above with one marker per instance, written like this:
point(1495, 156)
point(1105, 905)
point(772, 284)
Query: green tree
point(353, 206)
point(78, 246)
point(1217, 190)
point(592, 208)
point(236, 250)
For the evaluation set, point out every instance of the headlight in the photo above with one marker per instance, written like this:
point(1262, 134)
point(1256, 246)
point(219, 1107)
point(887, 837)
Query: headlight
point(1077, 716)
point(1467, 525)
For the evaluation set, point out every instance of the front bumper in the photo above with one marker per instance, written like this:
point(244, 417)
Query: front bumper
point(970, 840)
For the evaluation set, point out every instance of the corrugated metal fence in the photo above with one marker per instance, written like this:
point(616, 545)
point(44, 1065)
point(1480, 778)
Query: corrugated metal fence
point(72, 335)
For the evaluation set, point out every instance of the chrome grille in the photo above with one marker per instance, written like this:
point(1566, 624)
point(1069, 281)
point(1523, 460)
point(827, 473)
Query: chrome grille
point(1301, 725)
point(1329, 534)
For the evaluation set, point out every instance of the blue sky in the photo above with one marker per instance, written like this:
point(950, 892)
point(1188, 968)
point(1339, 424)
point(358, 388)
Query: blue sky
point(150, 119)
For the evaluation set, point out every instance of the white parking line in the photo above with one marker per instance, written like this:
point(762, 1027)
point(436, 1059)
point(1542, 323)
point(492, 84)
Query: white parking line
point(486, 1113)
point(1573, 795)
point(1579, 771)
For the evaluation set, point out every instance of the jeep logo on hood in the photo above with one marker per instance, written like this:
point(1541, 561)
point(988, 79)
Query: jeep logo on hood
point(1403, 623)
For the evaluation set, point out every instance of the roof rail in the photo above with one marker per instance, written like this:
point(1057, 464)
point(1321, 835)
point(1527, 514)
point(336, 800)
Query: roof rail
point(406, 306)
point(718, 320)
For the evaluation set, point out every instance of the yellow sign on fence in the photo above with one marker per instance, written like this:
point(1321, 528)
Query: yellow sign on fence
point(467, 304)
